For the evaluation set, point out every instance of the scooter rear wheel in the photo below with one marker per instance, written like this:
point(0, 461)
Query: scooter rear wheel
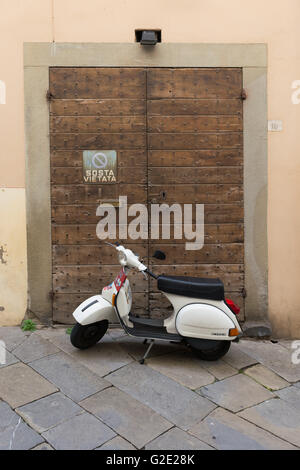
point(85, 336)
point(208, 350)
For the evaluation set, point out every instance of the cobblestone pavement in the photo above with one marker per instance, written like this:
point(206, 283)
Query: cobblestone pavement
point(53, 396)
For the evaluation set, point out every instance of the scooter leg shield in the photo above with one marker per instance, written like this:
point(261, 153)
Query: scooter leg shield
point(95, 309)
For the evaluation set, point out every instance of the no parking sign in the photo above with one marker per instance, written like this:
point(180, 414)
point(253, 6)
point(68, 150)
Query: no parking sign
point(99, 166)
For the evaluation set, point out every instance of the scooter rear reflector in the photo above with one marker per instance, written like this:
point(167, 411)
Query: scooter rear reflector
point(233, 307)
point(233, 332)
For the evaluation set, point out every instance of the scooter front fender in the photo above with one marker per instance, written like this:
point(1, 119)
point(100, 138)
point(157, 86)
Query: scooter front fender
point(95, 309)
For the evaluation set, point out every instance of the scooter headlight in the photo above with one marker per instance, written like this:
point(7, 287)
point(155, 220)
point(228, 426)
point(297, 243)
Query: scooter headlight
point(122, 258)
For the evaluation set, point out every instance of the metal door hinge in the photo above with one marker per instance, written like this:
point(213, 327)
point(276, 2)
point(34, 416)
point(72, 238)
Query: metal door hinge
point(51, 294)
point(49, 96)
point(244, 293)
point(244, 95)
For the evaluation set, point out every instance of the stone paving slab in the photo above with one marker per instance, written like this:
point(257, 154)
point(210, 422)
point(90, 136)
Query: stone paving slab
point(266, 377)
point(82, 432)
point(14, 433)
point(19, 384)
point(34, 347)
point(219, 369)
point(128, 417)
point(236, 393)
point(50, 332)
point(226, 431)
point(183, 367)
point(278, 417)
point(103, 358)
point(291, 395)
point(136, 349)
point(48, 412)
point(174, 402)
point(286, 343)
point(71, 377)
point(117, 443)
point(237, 357)
point(8, 357)
point(176, 439)
point(274, 357)
point(43, 446)
point(116, 332)
point(13, 336)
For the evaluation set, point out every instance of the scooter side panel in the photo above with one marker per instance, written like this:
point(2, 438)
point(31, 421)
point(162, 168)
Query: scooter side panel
point(204, 321)
point(95, 309)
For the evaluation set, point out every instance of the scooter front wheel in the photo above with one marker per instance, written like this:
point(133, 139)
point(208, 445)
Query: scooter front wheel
point(208, 350)
point(85, 336)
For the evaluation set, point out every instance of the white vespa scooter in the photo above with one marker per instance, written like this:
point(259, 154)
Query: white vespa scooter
point(202, 318)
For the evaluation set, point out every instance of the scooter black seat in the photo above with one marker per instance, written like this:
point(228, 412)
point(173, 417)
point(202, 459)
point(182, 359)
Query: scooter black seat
point(201, 288)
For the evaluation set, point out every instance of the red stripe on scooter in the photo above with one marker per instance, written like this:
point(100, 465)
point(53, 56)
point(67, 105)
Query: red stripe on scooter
point(120, 279)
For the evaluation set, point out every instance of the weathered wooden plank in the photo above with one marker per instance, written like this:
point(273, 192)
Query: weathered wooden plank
point(195, 158)
point(73, 158)
point(194, 141)
point(94, 141)
point(92, 254)
point(223, 213)
point(97, 124)
point(65, 304)
point(94, 107)
point(175, 107)
point(156, 175)
point(86, 234)
point(222, 253)
point(194, 83)
point(184, 175)
point(186, 124)
point(87, 279)
point(222, 233)
point(160, 306)
point(102, 254)
point(232, 275)
point(86, 214)
point(87, 194)
point(73, 175)
point(98, 83)
point(196, 193)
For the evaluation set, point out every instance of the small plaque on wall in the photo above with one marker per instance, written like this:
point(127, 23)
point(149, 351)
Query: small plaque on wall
point(275, 126)
point(99, 166)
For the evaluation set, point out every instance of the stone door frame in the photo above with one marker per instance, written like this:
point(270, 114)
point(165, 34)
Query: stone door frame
point(252, 58)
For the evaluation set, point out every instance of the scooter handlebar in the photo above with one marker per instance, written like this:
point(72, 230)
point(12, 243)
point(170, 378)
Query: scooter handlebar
point(129, 259)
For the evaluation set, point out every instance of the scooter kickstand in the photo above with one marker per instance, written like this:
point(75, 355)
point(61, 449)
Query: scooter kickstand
point(142, 361)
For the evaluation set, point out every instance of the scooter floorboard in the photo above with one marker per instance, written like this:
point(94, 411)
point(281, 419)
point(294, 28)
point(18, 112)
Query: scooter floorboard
point(152, 332)
point(155, 322)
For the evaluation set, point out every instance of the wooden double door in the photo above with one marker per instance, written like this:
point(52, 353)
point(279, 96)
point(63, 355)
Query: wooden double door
point(178, 137)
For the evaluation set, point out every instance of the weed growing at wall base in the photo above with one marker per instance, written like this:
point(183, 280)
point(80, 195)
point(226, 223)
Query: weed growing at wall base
point(28, 325)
